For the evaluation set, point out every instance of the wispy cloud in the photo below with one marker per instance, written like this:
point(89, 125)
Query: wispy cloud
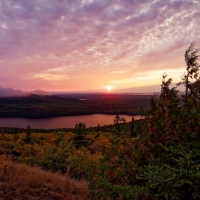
point(67, 38)
point(120, 72)
point(142, 79)
point(51, 77)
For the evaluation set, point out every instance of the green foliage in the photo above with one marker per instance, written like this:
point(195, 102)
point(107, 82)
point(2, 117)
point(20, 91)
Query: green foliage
point(175, 175)
point(28, 138)
point(118, 122)
point(55, 159)
point(80, 139)
point(191, 57)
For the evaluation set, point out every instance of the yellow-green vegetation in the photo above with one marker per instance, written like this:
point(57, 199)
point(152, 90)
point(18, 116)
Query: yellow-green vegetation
point(157, 157)
point(56, 151)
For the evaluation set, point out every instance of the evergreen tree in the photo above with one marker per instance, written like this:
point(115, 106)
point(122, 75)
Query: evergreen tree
point(80, 135)
point(28, 137)
point(192, 74)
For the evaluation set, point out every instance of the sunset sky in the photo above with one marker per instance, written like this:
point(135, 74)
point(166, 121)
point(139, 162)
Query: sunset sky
point(94, 45)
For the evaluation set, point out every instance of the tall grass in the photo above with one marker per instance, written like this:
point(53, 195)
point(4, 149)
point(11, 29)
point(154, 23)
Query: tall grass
point(19, 181)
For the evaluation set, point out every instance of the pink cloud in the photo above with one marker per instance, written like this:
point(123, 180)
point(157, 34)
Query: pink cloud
point(93, 38)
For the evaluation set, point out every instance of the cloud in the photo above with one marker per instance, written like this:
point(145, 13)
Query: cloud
point(58, 39)
point(5, 92)
point(119, 72)
point(51, 77)
point(61, 69)
point(8, 92)
point(142, 78)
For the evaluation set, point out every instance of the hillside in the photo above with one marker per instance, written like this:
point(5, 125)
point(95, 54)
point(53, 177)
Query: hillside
point(35, 106)
point(19, 181)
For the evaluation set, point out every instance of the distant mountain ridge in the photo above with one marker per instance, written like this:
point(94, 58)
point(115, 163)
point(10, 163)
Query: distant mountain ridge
point(8, 92)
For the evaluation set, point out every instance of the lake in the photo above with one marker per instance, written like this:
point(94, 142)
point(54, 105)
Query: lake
point(63, 122)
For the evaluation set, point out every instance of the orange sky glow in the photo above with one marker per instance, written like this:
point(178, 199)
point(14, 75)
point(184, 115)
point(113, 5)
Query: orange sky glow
point(95, 45)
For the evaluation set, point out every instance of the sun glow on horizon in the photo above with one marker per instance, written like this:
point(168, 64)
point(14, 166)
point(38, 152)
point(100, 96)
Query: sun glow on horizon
point(109, 87)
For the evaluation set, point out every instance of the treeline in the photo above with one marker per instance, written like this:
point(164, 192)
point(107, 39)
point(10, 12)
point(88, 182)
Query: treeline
point(155, 158)
point(35, 106)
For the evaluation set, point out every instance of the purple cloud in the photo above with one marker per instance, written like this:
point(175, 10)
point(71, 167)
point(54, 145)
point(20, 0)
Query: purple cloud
point(92, 38)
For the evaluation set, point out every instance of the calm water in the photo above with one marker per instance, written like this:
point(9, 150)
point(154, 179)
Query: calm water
point(62, 122)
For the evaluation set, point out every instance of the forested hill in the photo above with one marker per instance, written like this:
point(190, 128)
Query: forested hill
point(34, 99)
point(35, 106)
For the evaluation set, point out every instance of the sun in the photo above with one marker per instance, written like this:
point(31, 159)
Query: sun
point(109, 88)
